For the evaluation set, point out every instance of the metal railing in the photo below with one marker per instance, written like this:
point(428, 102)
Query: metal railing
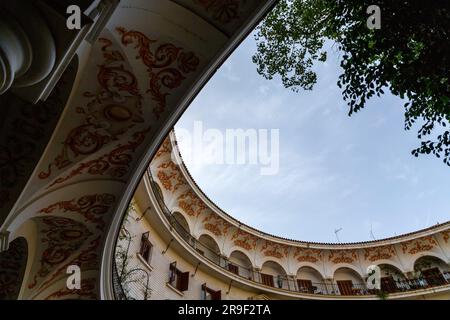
point(291, 283)
point(119, 292)
point(127, 281)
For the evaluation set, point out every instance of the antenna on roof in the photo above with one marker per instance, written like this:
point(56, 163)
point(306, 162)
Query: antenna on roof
point(371, 232)
point(336, 233)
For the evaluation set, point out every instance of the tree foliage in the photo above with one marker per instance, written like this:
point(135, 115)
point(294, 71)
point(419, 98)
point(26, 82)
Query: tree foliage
point(409, 55)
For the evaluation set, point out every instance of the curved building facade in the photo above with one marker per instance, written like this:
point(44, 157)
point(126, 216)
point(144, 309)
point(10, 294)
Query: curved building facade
point(85, 110)
point(182, 246)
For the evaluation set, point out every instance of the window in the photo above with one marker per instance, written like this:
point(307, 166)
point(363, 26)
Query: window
point(233, 268)
point(146, 247)
point(433, 276)
point(177, 278)
point(388, 284)
point(305, 286)
point(210, 294)
point(345, 287)
point(446, 275)
point(267, 279)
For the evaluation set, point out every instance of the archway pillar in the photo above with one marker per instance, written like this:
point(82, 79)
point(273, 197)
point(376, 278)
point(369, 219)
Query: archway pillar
point(256, 274)
point(292, 282)
point(223, 260)
point(330, 286)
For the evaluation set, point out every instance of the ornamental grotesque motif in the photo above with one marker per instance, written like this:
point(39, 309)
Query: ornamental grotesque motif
point(223, 11)
point(244, 240)
point(61, 238)
point(214, 228)
point(69, 242)
point(419, 245)
point(170, 176)
point(166, 147)
point(272, 249)
point(91, 207)
point(191, 203)
point(115, 107)
point(445, 235)
point(307, 255)
point(166, 65)
point(342, 256)
point(109, 113)
point(212, 222)
point(379, 253)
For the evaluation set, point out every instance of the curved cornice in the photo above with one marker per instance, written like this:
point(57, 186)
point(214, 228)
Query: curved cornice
point(176, 158)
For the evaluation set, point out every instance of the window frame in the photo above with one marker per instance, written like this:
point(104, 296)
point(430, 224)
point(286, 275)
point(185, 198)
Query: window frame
point(214, 294)
point(146, 247)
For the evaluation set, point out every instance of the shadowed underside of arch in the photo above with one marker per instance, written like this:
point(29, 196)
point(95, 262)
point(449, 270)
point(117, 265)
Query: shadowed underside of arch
point(134, 82)
point(12, 268)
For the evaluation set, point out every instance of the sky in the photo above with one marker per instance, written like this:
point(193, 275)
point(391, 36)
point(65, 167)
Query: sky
point(353, 173)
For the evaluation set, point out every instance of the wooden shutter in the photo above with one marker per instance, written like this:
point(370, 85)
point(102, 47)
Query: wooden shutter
point(204, 292)
point(216, 295)
point(144, 238)
point(345, 287)
point(388, 284)
point(433, 276)
point(233, 268)
point(305, 286)
point(183, 281)
point(267, 279)
point(146, 247)
point(172, 272)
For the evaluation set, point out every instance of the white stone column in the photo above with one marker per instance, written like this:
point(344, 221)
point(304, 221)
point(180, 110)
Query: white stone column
point(27, 47)
point(15, 52)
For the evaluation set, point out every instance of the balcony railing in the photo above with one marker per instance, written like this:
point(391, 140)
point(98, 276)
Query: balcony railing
point(288, 283)
point(119, 292)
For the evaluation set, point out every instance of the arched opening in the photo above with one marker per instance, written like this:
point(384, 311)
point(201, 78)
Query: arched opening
point(273, 275)
point(13, 263)
point(29, 128)
point(209, 248)
point(309, 280)
point(159, 194)
point(431, 271)
point(348, 282)
point(392, 278)
point(181, 220)
point(181, 225)
point(240, 264)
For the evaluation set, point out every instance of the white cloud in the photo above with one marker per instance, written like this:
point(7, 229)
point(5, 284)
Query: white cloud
point(334, 170)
